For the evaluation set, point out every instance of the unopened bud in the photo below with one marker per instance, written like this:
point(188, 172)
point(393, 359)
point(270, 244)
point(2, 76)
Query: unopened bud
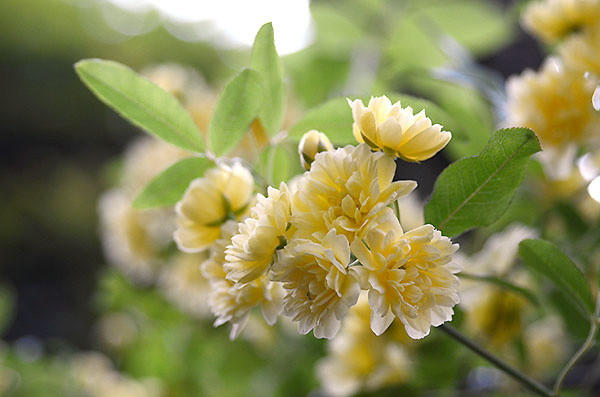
point(312, 142)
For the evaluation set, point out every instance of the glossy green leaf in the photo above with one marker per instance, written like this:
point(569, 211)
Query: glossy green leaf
point(168, 187)
point(266, 62)
point(476, 191)
point(141, 102)
point(547, 259)
point(334, 117)
point(239, 104)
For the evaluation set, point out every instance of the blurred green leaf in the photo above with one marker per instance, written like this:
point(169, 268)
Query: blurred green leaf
point(239, 104)
point(476, 191)
point(141, 102)
point(168, 187)
point(281, 163)
point(547, 259)
point(266, 62)
point(7, 306)
point(334, 117)
point(500, 282)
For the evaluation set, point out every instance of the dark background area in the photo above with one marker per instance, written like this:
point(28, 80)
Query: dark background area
point(56, 140)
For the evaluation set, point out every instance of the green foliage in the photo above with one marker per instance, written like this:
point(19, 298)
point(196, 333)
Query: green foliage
point(239, 104)
point(141, 102)
point(476, 191)
point(334, 117)
point(7, 306)
point(168, 187)
point(547, 259)
point(266, 62)
point(281, 162)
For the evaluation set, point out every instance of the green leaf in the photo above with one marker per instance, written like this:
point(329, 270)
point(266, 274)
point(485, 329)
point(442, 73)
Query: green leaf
point(476, 191)
point(524, 292)
point(547, 259)
point(334, 118)
point(266, 62)
point(239, 104)
point(281, 162)
point(168, 187)
point(141, 102)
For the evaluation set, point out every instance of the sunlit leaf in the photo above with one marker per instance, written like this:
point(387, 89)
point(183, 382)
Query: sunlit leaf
point(476, 191)
point(239, 104)
point(266, 62)
point(547, 259)
point(168, 187)
point(141, 102)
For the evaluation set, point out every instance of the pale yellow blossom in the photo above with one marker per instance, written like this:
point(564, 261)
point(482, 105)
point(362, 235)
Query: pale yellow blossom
point(253, 249)
point(345, 190)
point(580, 52)
point(184, 284)
point(358, 360)
point(225, 192)
point(97, 376)
point(319, 285)
point(396, 130)
point(312, 142)
point(556, 104)
point(232, 302)
point(409, 276)
point(545, 345)
point(494, 313)
point(133, 240)
point(552, 20)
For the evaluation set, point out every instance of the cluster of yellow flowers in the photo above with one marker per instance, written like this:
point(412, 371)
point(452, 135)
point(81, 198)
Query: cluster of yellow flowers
point(308, 251)
point(556, 102)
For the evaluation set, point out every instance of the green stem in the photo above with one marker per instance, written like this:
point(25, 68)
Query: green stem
point(528, 382)
point(589, 342)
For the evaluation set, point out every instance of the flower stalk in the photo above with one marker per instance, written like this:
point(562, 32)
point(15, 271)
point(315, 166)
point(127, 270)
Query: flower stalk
point(528, 382)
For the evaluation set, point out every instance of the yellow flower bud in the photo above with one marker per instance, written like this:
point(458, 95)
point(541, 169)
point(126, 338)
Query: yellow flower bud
point(312, 142)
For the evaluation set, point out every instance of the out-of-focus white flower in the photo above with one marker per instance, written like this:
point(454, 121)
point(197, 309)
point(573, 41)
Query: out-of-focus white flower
point(396, 130)
point(98, 378)
point(133, 239)
point(358, 360)
point(546, 346)
point(555, 103)
point(552, 20)
point(184, 284)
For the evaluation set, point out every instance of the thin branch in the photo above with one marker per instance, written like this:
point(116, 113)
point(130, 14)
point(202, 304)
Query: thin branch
point(589, 342)
point(528, 382)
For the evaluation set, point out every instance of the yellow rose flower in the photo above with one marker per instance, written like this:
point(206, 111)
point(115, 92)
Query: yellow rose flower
point(312, 142)
point(395, 130)
point(320, 288)
point(223, 193)
point(409, 276)
point(232, 302)
point(183, 283)
point(580, 52)
point(552, 20)
point(358, 360)
point(556, 104)
point(253, 249)
point(344, 190)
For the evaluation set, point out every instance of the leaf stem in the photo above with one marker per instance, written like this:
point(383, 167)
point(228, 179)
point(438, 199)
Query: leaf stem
point(528, 382)
point(589, 342)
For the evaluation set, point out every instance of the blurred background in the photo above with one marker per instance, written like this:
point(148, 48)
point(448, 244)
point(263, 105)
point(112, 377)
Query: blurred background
point(61, 149)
